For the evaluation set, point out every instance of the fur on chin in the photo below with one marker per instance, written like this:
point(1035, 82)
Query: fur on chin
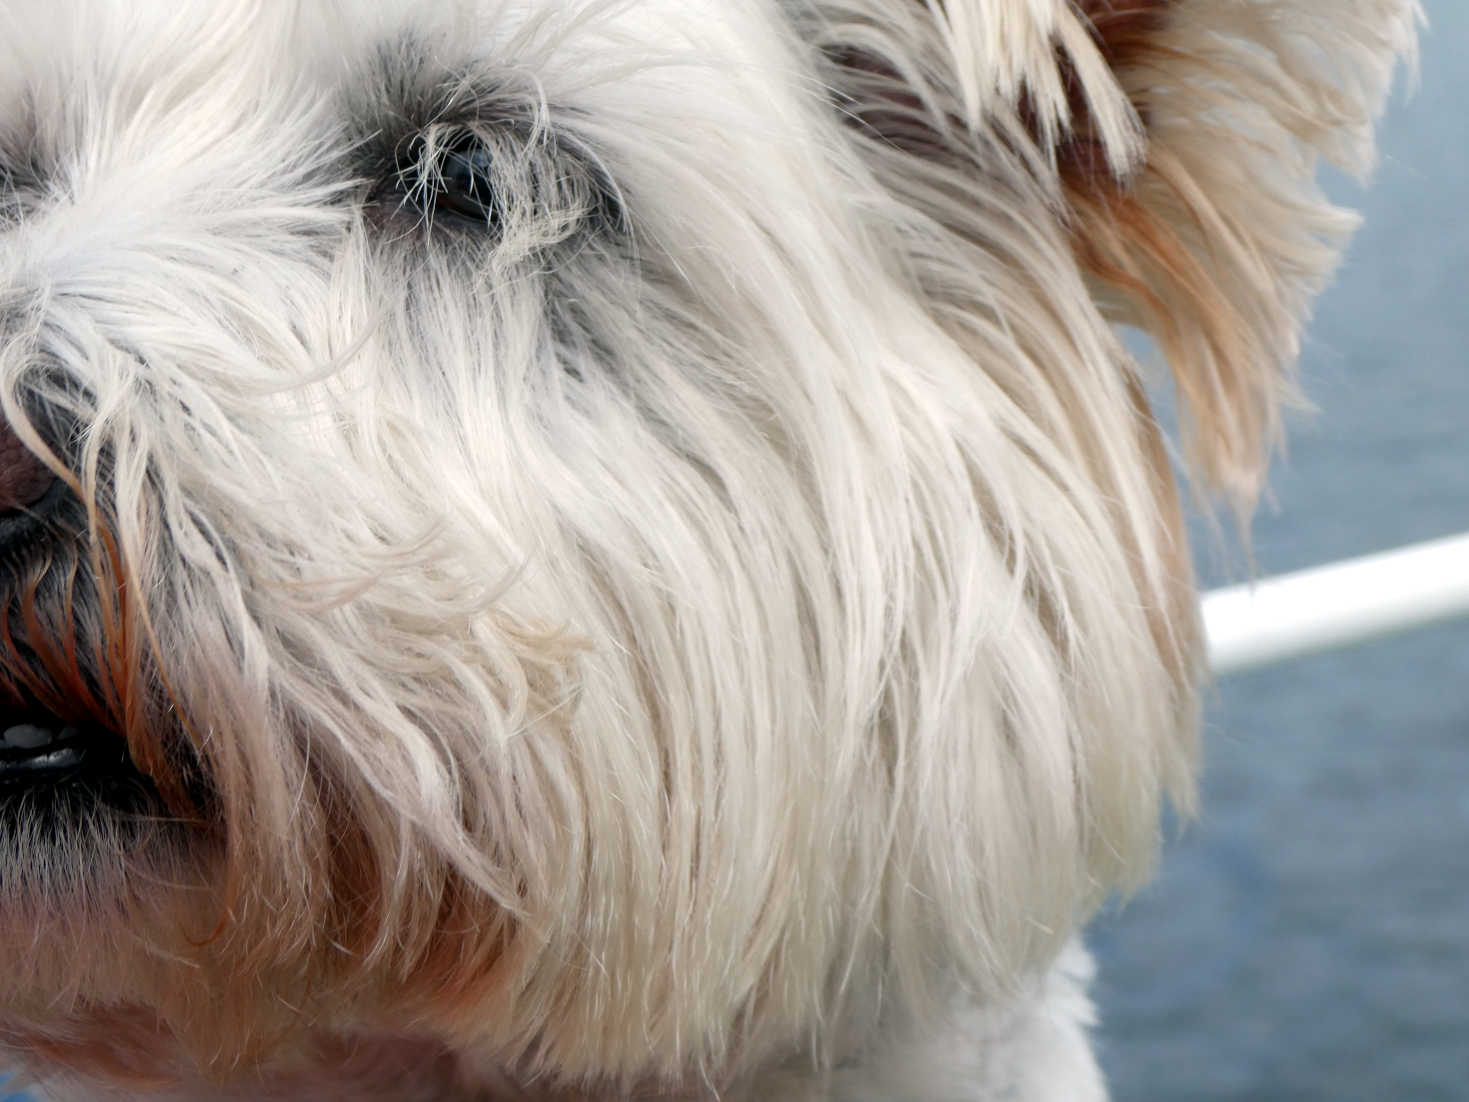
point(1034, 1046)
point(713, 645)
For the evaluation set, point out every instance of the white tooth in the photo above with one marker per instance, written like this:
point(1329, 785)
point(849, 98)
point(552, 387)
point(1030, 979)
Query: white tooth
point(27, 736)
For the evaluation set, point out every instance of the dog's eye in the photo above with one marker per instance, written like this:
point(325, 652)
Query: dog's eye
point(453, 177)
point(465, 186)
point(490, 180)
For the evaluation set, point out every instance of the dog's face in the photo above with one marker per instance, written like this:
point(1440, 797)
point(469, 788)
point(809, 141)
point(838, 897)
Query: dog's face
point(609, 540)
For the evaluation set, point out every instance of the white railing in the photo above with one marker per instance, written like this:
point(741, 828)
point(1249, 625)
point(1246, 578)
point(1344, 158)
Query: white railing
point(1336, 605)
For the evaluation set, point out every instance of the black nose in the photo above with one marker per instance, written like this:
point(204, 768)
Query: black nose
point(29, 491)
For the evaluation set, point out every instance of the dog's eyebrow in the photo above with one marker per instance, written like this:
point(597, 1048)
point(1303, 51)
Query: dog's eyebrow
point(19, 176)
point(404, 87)
point(407, 84)
point(20, 150)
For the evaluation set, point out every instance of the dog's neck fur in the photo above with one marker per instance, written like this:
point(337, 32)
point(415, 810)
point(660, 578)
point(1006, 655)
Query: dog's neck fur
point(1033, 1047)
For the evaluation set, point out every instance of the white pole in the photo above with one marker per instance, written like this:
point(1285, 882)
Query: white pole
point(1336, 605)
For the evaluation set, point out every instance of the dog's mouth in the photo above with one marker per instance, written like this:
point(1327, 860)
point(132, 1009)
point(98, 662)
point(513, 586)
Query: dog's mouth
point(69, 782)
point(44, 748)
point(77, 816)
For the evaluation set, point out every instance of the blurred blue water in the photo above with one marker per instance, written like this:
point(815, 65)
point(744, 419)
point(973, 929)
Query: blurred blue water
point(1309, 937)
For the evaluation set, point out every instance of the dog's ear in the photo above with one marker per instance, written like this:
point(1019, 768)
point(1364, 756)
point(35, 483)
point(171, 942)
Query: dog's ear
point(1179, 139)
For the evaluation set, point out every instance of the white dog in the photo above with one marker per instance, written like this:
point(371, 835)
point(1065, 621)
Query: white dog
point(609, 549)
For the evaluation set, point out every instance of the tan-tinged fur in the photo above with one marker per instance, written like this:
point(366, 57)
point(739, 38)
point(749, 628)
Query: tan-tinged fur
point(1220, 238)
point(714, 624)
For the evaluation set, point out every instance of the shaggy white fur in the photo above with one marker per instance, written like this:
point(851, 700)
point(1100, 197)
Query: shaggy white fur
point(619, 538)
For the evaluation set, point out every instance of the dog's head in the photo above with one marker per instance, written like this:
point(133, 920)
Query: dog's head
point(617, 537)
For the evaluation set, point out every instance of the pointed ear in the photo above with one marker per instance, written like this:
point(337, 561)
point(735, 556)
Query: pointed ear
point(1181, 139)
point(1219, 237)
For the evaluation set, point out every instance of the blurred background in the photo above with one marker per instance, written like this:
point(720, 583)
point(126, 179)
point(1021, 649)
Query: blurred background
point(1308, 937)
